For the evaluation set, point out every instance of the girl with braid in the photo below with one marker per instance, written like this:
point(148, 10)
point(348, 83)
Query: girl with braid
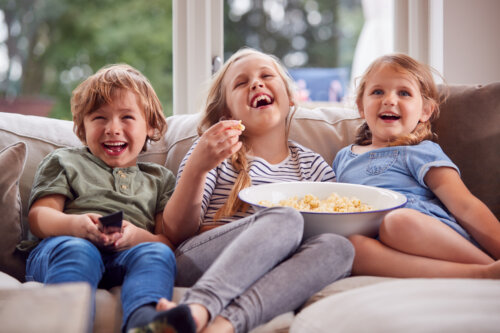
point(244, 267)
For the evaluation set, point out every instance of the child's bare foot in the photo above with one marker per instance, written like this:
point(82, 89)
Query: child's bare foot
point(200, 315)
point(493, 270)
point(164, 305)
point(219, 325)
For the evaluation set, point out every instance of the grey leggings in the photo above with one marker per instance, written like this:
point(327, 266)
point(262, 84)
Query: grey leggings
point(253, 269)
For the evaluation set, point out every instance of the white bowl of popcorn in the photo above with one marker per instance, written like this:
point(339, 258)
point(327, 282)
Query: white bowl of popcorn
point(340, 208)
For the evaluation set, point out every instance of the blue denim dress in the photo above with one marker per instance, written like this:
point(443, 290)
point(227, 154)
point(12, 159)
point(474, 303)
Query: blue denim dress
point(401, 169)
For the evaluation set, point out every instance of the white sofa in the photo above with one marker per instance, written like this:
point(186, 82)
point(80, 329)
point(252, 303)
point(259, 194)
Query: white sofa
point(354, 304)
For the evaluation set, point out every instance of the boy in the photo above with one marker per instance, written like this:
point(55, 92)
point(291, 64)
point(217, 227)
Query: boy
point(115, 112)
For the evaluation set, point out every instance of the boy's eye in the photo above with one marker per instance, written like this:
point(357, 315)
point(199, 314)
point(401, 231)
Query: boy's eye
point(128, 117)
point(377, 92)
point(404, 93)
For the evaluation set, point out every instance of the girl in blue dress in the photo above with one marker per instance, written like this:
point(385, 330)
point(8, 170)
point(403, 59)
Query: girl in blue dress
point(444, 230)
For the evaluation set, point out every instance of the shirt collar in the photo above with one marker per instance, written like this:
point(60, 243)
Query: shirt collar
point(103, 165)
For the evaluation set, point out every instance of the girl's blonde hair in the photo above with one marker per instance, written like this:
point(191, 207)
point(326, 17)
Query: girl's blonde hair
point(422, 74)
point(216, 108)
point(101, 88)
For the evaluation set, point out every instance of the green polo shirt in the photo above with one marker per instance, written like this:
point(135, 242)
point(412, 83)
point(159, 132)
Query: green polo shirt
point(90, 186)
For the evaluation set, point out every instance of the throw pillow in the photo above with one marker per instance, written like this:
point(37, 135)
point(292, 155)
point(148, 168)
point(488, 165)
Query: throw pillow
point(12, 159)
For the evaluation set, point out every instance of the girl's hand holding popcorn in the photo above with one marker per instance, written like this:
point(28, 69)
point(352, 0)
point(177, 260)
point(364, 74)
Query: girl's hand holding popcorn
point(216, 144)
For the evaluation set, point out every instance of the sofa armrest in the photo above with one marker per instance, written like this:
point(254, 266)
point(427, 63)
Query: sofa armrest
point(36, 308)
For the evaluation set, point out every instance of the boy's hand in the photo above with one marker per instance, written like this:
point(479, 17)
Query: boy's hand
point(87, 226)
point(130, 236)
point(217, 143)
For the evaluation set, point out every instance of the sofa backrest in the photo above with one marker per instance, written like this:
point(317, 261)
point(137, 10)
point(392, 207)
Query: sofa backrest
point(467, 128)
point(324, 130)
point(469, 132)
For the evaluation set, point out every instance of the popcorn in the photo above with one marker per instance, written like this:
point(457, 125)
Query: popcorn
point(240, 126)
point(333, 204)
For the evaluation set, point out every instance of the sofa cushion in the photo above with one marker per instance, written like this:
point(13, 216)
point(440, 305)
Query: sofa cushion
point(12, 159)
point(325, 129)
point(407, 305)
point(181, 133)
point(469, 134)
point(348, 283)
point(56, 308)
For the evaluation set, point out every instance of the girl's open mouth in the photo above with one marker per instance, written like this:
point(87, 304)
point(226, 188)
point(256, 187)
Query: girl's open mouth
point(389, 116)
point(261, 100)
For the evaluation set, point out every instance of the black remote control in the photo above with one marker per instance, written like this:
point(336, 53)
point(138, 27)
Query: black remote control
point(112, 223)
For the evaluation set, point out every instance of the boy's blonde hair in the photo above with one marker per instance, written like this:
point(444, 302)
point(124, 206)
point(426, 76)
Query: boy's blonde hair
point(100, 89)
point(216, 108)
point(422, 74)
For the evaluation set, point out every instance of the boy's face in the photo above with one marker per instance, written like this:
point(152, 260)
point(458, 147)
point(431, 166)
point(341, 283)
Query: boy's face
point(116, 132)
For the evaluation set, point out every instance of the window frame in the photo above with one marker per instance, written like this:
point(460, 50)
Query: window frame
point(419, 31)
point(198, 37)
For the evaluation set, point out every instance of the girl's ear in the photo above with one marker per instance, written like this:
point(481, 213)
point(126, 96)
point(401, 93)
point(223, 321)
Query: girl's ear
point(427, 110)
point(291, 100)
point(360, 109)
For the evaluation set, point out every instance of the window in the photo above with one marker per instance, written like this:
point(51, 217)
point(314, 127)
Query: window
point(47, 47)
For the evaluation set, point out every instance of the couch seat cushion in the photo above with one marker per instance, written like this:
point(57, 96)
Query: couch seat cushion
point(407, 305)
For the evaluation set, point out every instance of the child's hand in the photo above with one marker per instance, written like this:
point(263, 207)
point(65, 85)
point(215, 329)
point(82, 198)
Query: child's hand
point(130, 236)
point(217, 143)
point(87, 226)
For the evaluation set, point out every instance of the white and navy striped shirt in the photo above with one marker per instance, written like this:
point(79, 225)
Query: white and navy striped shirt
point(302, 164)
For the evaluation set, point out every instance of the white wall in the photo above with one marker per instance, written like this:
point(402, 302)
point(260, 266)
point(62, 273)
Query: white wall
point(471, 41)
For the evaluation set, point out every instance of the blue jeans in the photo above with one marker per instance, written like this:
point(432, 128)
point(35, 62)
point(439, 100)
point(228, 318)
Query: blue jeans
point(251, 270)
point(145, 271)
